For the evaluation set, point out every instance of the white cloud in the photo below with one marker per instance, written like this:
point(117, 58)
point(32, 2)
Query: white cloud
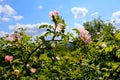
point(94, 14)
point(1, 9)
point(79, 12)
point(2, 33)
point(116, 14)
point(116, 17)
point(7, 12)
point(40, 7)
point(5, 19)
point(26, 26)
point(18, 17)
point(31, 29)
point(78, 25)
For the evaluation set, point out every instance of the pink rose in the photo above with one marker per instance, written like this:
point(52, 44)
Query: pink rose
point(13, 37)
point(59, 27)
point(53, 14)
point(8, 58)
point(81, 29)
point(84, 35)
point(9, 38)
point(33, 70)
point(17, 35)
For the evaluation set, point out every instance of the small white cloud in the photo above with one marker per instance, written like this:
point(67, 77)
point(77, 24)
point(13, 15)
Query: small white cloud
point(3, 33)
point(31, 29)
point(18, 17)
point(94, 14)
point(7, 13)
point(79, 12)
point(5, 19)
point(78, 25)
point(7, 9)
point(116, 14)
point(116, 17)
point(40, 7)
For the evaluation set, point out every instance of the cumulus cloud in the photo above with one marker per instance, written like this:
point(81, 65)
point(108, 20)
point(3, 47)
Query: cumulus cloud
point(7, 12)
point(18, 17)
point(3, 33)
point(116, 19)
point(26, 26)
point(5, 19)
point(116, 14)
point(31, 29)
point(79, 12)
point(7, 9)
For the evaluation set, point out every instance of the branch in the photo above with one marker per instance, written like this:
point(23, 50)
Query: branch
point(28, 58)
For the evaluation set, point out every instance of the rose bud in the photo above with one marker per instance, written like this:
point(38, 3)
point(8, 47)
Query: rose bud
point(57, 57)
point(67, 57)
point(53, 46)
point(8, 58)
point(80, 58)
point(104, 45)
point(16, 72)
point(33, 70)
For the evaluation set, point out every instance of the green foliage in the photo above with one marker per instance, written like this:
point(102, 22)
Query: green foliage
point(68, 58)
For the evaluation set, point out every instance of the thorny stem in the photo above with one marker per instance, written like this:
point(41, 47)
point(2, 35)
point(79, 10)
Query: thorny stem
point(28, 58)
point(54, 35)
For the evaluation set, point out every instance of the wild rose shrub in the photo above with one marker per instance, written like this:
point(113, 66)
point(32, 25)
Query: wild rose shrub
point(94, 54)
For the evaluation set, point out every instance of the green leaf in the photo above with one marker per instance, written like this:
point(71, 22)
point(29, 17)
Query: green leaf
point(16, 61)
point(109, 48)
point(106, 74)
point(118, 54)
point(115, 65)
point(43, 26)
point(105, 69)
point(76, 30)
point(47, 34)
point(117, 36)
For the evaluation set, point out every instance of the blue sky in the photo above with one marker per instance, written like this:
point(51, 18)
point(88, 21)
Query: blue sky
point(32, 13)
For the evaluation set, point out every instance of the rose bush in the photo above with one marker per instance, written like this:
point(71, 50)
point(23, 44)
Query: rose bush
point(93, 54)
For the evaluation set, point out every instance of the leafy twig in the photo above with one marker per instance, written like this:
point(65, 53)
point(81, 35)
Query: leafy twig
point(114, 71)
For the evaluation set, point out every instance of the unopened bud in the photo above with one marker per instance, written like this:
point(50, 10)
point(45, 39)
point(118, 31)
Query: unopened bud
point(33, 70)
point(80, 58)
point(16, 72)
point(67, 57)
point(53, 46)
